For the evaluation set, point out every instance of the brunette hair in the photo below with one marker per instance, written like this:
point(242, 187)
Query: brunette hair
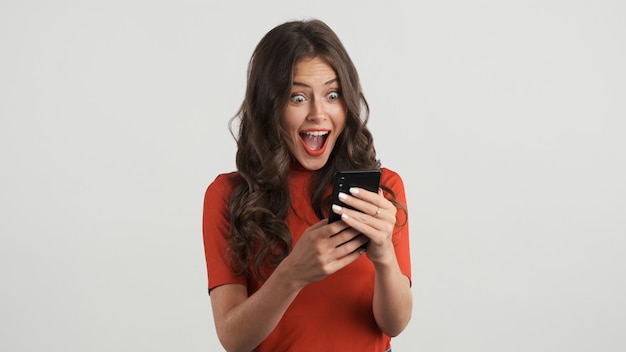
point(260, 200)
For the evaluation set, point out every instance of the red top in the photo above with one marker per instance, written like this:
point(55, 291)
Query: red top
point(334, 314)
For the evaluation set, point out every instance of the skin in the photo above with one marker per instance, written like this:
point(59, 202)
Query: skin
point(315, 106)
point(243, 321)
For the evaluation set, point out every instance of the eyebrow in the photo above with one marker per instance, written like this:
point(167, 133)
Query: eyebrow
point(300, 84)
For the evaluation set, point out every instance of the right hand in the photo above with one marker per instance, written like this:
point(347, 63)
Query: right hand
point(322, 250)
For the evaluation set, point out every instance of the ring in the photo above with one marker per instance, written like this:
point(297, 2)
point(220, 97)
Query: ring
point(377, 212)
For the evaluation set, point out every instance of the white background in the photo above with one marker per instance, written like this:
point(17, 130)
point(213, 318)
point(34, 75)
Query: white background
point(506, 120)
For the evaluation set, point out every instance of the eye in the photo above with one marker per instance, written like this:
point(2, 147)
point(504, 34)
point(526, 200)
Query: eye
point(334, 95)
point(297, 98)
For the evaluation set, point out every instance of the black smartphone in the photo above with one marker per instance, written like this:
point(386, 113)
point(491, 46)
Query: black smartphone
point(343, 180)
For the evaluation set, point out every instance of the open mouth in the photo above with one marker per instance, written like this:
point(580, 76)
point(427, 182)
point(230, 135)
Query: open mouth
point(314, 142)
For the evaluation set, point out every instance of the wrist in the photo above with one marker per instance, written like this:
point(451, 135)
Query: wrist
point(288, 277)
point(385, 259)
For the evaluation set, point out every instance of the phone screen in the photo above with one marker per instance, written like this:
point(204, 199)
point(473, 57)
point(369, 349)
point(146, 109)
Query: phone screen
point(343, 180)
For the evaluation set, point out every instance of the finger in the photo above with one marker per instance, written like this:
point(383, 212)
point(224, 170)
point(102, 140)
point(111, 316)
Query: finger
point(355, 245)
point(344, 236)
point(347, 259)
point(323, 229)
point(351, 217)
point(358, 239)
point(364, 216)
point(336, 228)
point(373, 203)
point(357, 203)
point(367, 224)
point(364, 194)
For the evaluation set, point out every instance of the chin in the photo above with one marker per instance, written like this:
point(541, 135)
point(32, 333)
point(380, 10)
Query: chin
point(313, 165)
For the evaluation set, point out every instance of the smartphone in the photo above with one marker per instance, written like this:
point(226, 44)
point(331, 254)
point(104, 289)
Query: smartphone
point(343, 180)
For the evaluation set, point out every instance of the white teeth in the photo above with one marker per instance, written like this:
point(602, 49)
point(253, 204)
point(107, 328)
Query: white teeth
point(317, 133)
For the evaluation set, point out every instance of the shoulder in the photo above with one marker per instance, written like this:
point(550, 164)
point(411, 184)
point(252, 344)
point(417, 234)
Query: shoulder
point(225, 179)
point(223, 184)
point(390, 178)
point(217, 196)
point(394, 183)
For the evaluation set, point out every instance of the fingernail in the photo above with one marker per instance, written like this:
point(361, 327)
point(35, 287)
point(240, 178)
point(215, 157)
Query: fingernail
point(354, 190)
point(342, 196)
point(344, 216)
point(336, 208)
point(362, 250)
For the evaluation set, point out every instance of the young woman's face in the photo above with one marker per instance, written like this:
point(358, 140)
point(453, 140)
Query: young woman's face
point(315, 114)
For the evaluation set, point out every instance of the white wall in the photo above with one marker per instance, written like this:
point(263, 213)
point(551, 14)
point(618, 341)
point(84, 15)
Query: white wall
point(505, 118)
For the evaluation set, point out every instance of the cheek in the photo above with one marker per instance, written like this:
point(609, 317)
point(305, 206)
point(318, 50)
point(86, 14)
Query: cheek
point(340, 120)
point(290, 120)
point(285, 126)
point(289, 131)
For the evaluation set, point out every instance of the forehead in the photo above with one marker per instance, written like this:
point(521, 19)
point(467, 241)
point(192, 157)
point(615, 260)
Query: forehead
point(312, 67)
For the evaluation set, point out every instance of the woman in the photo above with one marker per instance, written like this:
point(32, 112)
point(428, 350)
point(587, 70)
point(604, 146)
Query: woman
point(281, 278)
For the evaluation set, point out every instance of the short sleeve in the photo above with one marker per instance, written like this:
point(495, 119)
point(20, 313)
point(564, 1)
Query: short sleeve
point(215, 230)
point(401, 240)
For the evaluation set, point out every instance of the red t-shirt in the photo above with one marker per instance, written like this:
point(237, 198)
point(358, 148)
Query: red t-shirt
point(333, 314)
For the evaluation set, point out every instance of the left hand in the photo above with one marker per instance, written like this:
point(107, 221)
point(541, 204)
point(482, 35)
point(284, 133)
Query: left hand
point(375, 219)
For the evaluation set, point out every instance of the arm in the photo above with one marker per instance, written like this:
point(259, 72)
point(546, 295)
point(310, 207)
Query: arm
point(392, 304)
point(243, 322)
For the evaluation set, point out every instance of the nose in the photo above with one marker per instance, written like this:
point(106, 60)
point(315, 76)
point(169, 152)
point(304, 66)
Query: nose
point(317, 111)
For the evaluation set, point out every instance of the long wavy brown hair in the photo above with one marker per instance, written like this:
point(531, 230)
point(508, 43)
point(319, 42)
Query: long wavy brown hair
point(260, 200)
